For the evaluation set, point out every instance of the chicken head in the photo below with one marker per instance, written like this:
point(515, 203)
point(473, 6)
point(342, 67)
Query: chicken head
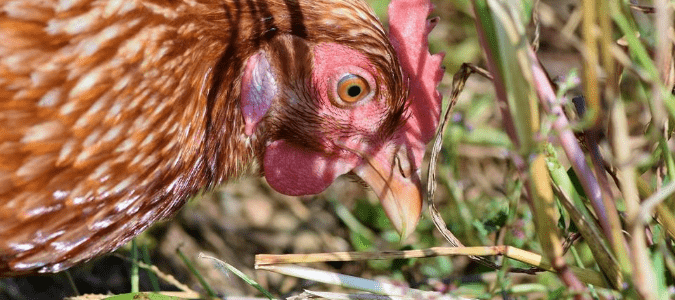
point(115, 112)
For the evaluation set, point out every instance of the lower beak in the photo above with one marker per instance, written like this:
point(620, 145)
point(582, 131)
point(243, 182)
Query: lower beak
point(397, 185)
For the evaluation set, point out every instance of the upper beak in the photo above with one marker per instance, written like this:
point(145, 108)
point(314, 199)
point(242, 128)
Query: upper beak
point(397, 184)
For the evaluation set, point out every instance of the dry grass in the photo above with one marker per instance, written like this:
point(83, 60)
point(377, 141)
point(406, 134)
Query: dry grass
point(491, 190)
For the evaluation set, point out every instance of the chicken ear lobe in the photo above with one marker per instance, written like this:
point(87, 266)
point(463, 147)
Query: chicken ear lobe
point(258, 89)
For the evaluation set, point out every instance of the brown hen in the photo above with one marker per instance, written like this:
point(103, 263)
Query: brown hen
point(114, 112)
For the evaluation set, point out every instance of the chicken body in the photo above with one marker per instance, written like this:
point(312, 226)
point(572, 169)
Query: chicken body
point(113, 113)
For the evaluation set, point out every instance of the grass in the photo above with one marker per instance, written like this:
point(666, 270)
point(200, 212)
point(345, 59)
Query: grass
point(536, 185)
point(509, 172)
point(517, 176)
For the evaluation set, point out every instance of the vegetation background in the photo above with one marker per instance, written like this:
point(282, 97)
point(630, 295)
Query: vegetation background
point(481, 195)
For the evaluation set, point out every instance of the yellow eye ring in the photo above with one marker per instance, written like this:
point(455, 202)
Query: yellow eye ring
point(352, 88)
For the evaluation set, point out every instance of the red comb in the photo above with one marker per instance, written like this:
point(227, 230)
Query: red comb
point(408, 33)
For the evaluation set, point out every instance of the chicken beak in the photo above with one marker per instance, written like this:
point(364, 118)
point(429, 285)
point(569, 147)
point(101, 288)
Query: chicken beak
point(397, 184)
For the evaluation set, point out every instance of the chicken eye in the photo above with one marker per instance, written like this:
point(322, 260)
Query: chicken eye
point(352, 88)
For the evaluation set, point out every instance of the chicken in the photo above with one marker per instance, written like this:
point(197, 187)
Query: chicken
point(114, 112)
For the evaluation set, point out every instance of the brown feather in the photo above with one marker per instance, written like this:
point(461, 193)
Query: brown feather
point(115, 112)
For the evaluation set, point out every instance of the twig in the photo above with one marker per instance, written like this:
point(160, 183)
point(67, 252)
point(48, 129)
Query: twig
point(458, 83)
point(537, 25)
point(264, 261)
point(648, 205)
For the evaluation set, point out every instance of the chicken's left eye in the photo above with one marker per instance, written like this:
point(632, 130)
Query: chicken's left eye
point(352, 88)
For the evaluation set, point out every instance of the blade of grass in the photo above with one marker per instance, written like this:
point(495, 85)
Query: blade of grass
point(224, 267)
point(151, 275)
point(339, 296)
point(643, 274)
point(511, 66)
point(601, 253)
point(608, 217)
point(166, 277)
point(584, 220)
point(71, 282)
point(134, 267)
point(653, 200)
point(350, 282)
point(580, 264)
point(591, 62)
point(351, 221)
point(663, 214)
point(194, 271)
point(642, 57)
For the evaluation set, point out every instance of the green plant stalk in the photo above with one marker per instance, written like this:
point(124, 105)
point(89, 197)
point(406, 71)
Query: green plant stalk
point(662, 23)
point(488, 38)
point(664, 60)
point(167, 278)
point(574, 153)
point(655, 202)
point(584, 221)
point(151, 275)
point(638, 50)
point(591, 83)
point(472, 237)
point(134, 267)
point(643, 274)
point(670, 163)
point(590, 54)
point(666, 218)
point(351, 221)
point(630, 30)
point(525, 108)
point(665, 154)
point(527, 289)
point(70, 281)
point(194, 271)
point(517, 76)
point(514, 195)
point(603, 256)
point(513, 81)
point(664, 49)
point(606, 43)
point(502, 279)
point(545, 211)
point(670, 107)
point(586, 275)
point(595, 115)
point(660, 86)
point(668, 258)
point(658, 261)
point(225, 267)
point(580, 264)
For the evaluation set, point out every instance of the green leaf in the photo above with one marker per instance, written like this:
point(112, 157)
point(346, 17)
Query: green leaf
point(360, 242)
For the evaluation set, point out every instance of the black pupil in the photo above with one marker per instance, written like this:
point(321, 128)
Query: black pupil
point(354, 91)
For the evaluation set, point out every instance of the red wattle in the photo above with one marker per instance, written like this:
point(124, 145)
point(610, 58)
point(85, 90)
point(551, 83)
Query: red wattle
point(296, 171)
